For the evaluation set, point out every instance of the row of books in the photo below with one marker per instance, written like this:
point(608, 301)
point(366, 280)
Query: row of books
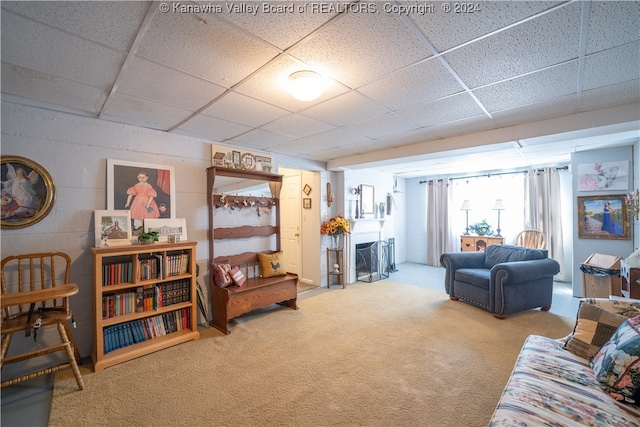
point(160, 266)
point(156, 266)
point(117, 272)
point(136, 331)
point(146, 298)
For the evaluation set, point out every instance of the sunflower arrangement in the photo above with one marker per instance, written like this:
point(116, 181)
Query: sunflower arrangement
point(335, 226)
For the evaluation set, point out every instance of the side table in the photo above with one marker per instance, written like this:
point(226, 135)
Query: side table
point(629, 277)
point(335, 277)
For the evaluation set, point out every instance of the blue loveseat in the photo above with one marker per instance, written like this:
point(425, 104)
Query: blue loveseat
point(503, 279)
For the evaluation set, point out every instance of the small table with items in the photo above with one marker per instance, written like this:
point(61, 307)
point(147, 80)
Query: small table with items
point(335, 268)
point(471, 243)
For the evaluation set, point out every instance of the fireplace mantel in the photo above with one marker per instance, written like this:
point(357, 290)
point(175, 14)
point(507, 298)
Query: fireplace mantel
point(354, 221)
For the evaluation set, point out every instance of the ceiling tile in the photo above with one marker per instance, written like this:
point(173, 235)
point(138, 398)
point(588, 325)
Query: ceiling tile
point(204, 47)
point(260, 138)
point(556, 107)
point(51, 92)
point(382, 126)
point(351, 107)
point(213, 128)
point(143, 78)
point(447, 30)
point(141, 112)
point(442, 111)
point(531, 88)
point(356, 48)
point(548, 40)
point(297, 126)
point(612, 66)
point(243, 109)
point(268, 25)
point(418, 84)
point(612, 23)
point(610, 96)
point(113, 24)
point(58, 53)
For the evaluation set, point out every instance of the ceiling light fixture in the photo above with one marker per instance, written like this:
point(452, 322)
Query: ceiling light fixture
point(306, 85)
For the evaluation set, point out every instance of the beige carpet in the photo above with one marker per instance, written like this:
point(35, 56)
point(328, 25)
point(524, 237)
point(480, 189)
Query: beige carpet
point(374, 354)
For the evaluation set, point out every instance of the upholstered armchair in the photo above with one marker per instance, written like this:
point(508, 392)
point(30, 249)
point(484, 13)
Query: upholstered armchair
point(503, 279)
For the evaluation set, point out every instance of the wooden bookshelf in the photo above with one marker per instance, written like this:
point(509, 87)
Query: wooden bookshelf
point(132, 328)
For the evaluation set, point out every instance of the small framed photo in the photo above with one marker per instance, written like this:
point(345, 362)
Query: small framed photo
point(28, 192)
point(112, 228)
point(603, 217)
point(236, 158)
point(307, 189)
point(167, 227)
point(306, 203)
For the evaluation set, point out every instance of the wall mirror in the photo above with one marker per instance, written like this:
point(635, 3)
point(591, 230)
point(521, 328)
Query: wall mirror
point(367, 199)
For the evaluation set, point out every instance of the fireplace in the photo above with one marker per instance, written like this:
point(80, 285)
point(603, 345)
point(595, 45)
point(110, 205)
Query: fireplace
point(372, 261)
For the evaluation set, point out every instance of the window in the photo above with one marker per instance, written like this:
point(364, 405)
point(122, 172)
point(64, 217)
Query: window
point(482, 193)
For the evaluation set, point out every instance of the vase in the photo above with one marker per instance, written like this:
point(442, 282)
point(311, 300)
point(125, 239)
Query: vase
point(337, 241)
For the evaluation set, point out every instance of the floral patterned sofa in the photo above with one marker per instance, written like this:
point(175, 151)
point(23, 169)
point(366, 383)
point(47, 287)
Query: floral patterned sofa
point(589, 378)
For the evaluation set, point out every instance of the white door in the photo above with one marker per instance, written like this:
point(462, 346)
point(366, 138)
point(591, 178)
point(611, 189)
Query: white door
point(290, 220)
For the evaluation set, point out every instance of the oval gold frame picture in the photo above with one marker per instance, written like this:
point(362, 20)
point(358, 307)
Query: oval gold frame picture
point(28, 192)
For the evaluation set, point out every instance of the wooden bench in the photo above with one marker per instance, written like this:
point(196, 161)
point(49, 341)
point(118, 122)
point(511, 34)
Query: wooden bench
point(233, 301)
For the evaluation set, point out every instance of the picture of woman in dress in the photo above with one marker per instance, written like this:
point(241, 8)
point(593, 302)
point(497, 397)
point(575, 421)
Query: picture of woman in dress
point(608, 224)
point(141, 201)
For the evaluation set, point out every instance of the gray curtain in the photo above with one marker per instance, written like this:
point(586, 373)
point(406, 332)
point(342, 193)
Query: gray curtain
point(543, 210)
point(439, 238)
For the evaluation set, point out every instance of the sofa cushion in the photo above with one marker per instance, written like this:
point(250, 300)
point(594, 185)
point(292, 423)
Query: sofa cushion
point(617, 364)
point(496, 254)
point(479, 277)
point(594, 327)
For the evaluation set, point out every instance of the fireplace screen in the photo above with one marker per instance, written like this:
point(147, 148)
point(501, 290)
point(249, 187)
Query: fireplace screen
point(372, 261)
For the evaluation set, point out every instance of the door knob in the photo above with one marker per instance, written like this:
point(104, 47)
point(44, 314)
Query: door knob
point(297, 234)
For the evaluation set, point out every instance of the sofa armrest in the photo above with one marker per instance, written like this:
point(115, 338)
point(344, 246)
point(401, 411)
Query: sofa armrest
point(453, 261)
point(524, 271)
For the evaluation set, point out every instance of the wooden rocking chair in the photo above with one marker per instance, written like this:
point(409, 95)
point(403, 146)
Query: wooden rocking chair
point(34, 301)
point(531, 238)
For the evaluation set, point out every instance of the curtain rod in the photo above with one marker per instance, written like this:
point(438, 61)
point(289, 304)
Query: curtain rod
point(494, 174)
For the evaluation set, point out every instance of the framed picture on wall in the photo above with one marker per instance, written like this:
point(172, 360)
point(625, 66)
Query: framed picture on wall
point(146, 190)
point(603, 217)
point(605, 176)
point(306, 203)
point(28, 192)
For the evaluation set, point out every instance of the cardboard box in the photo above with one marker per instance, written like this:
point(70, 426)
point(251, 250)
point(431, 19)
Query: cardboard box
point(601, 276)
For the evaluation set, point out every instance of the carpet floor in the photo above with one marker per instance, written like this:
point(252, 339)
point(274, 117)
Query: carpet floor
point(373, 354)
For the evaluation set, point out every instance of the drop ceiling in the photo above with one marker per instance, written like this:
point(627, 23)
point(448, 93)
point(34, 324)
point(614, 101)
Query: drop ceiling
point(411, 92)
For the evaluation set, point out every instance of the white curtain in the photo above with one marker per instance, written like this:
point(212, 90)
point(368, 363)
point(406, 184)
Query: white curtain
point(439, 238)
point(543, 210)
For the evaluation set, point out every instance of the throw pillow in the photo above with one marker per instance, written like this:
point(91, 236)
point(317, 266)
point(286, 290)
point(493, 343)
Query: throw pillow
point(271, 264)
point(617, 364)
point(236, 275)
point(594, 327)
point(221, 275)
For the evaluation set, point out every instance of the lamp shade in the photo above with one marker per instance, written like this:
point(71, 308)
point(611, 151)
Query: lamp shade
point(466, 206)
point(306, 85)
point(498, 206)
